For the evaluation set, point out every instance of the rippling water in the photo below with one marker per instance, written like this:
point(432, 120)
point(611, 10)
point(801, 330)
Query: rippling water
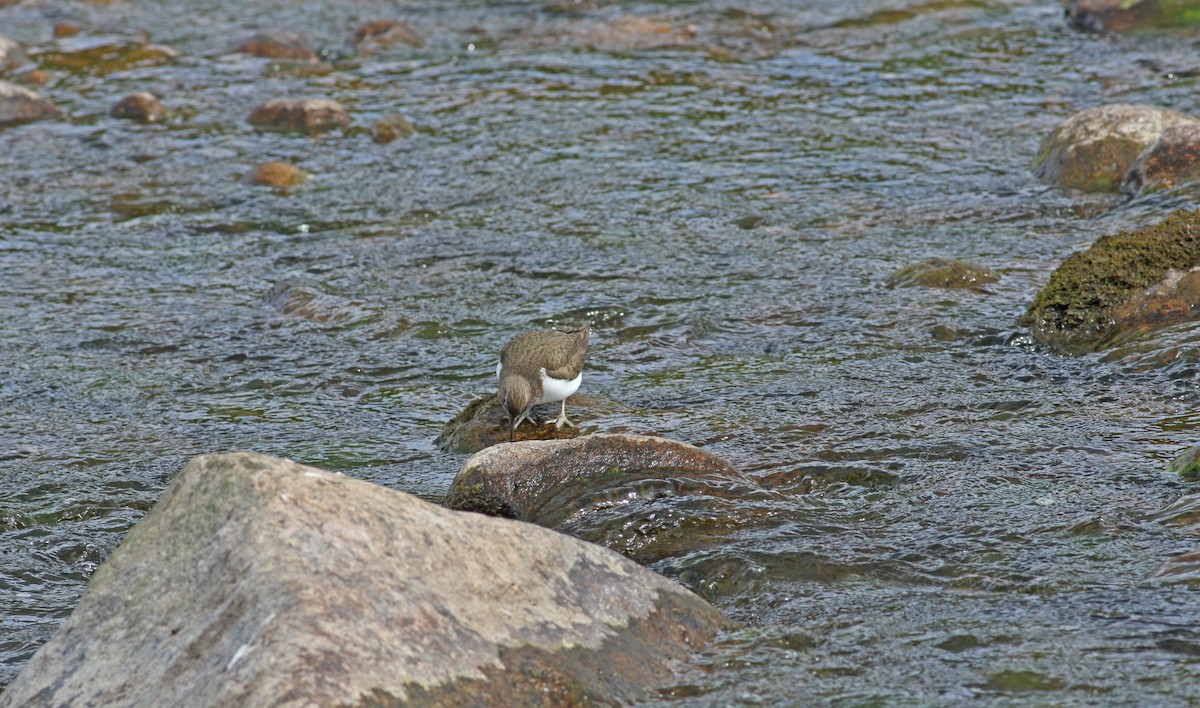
point(946, 511)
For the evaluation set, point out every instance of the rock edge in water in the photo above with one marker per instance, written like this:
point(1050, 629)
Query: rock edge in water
point(256, 581)
point(1125, 284)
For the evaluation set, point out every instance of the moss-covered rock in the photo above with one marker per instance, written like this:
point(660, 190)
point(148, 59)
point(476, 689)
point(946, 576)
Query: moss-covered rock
point(1187, 464)
point(102, 54)
point(944, 273)
point(1092, 150)
point(1115, 15)
point(1124, 285)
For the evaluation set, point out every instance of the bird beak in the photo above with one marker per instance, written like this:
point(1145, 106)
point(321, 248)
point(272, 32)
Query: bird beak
point(512, 430)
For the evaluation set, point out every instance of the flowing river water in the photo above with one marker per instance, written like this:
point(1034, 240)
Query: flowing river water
point(945, 511)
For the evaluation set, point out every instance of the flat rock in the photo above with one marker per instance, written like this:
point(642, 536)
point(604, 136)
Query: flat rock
point(278, 45)
point(1173, 158)
point(484, 423)
point(1125, 285)
point(11, 55)
point(388, 32)
point(276, 174)
point(1092, 150)
point(299, 115)
point(1116, 15)
point(515, 480)
point(102, 54)
point(141, 107)
point(20, 105)
point(259, 581)
point(944, 273)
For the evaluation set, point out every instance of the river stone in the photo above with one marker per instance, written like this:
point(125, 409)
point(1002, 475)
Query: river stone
point(944, 273)
point(1173, 158)
point(484, 423)
point(1187, 464)
point(1112, 15)
point(278, 45)
point(141, 107)
point(259, 581)
point(1093, 149)
point(1124, 285)
point(303, 299)
point(517, 479)
point(65, 29)
point(388, 32)
point(11, 55)
point(391, 127)
point(20, 105)
point(101, 54)
point(277, 174)
point(299, 115)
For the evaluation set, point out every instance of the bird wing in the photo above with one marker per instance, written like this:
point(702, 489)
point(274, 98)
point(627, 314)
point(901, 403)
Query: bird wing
point(564, 356)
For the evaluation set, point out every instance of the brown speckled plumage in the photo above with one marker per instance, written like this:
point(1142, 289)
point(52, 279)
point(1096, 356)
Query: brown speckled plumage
point(559, 351)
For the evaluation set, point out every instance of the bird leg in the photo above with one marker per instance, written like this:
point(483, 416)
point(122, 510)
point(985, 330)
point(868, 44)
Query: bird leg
point(562, 418)
point(524, 416)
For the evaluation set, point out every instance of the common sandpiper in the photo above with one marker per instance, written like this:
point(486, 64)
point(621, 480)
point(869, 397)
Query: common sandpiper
point(543, 366)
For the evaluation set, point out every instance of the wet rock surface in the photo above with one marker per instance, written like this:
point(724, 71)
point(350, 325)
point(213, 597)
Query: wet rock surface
point(484, 423)
point(1092, 150)
point(11, 55)
point(299, 115)
point(256, 578)
point(277, 45)
point(103, 54)
point(21, 105)
point(390, 128)
point(1124, 285)
point(1173, 158)
point(140, 107)
point(388, 32)
point(276, 174)
point(944, 273)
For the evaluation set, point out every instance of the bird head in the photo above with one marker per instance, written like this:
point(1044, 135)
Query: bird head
point(515, 395)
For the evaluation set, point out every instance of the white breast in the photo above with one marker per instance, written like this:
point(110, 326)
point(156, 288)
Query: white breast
point(557, 389)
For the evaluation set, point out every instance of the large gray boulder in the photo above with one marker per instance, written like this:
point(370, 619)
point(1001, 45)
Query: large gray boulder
point(259, 581)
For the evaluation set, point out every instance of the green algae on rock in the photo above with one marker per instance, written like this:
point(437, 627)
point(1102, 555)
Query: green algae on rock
point(1186, 464)
point(944, 273)
point(1093, 149)
point(1124, 285)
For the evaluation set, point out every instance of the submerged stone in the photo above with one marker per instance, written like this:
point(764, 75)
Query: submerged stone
point(388, 32)
point(259, 581)
point(944, 273)
point(1113, 15)
point(101, 54)
point(141, 107)
point(1092, 150)
point(1186, 464)
point(11, 55)
point(20, 105)
point(1124, 285)
point(299, 115)
point(277, 45)
point(391, 127)
point(277, 174)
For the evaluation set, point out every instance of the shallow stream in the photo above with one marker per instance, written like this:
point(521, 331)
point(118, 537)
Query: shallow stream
point(948, 512)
